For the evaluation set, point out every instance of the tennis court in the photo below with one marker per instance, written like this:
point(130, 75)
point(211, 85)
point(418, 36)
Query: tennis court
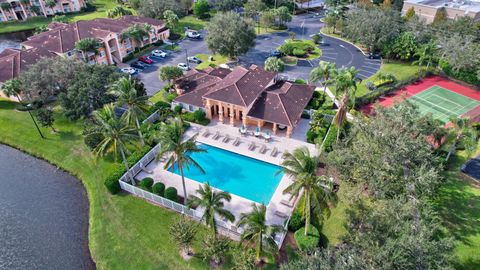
point(442, 103)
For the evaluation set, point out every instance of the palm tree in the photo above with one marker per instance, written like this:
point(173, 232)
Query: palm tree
point(118, 11)
point(13, 87)
point(87, 45)
point(137, 33)
point(213, 203)
point(172, 144)
point(50, 4)
point(125, 91)
point(116, 132)
point(426, 55)
point(460, 130)
point(345, 83)
point(324, 72)
point(257, 231)
point(317, 190)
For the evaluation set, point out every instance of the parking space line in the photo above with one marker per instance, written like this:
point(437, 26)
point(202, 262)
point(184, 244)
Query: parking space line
point(366, 74)
point(369, 68)
point(326, 57)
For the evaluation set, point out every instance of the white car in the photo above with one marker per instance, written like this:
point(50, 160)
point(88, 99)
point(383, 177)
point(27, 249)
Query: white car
point(194, 59)
point(129, 70)
point(159, 53)
point(192, 34)
point(183, 66)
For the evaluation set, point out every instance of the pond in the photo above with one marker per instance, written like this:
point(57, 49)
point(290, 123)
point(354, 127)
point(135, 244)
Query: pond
point(44, 215)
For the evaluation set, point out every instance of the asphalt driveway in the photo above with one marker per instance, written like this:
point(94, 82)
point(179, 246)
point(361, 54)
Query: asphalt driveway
point(342, 53)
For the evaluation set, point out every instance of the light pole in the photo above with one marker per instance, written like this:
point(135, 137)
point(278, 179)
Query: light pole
point(186, 58)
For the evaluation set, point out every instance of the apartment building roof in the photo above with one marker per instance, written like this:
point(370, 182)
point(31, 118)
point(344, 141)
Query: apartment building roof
point(14, 61)
point(467, 6)
point(61, 37)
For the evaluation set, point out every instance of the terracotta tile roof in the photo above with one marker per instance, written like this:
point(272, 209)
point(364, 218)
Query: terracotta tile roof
point(254, 88)
point(242, 86)
point(197, 83)
point(14, 61)
point(282, 103)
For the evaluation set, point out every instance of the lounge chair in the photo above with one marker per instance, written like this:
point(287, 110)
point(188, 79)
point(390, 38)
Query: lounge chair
point(226, 139)
point(288, 203)
point(252, 146)
point(206, 133)
point(274, 152)
point(216, 136)
point(236, 142)
point(263, 149)
point(281, 214)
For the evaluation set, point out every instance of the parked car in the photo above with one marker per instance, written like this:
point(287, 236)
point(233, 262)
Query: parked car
point(145, 59)
point(194, 59)
point(373, 56)
point(129, 70)
point(183, 66)
point(137, 65)
point(275, 53)
point(159, 53)
point(192, 34)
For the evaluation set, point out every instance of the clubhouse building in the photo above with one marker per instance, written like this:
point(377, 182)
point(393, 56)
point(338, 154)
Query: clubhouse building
point(244, 96)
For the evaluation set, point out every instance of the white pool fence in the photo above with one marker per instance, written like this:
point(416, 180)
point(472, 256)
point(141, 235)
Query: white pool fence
point(225, 228)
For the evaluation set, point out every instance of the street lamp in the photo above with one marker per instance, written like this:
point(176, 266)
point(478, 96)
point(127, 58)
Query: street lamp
point(186, 58)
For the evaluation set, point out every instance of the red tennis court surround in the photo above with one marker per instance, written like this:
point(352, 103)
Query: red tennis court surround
point(421, 86)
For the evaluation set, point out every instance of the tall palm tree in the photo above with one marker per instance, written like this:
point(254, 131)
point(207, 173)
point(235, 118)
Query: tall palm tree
point(13, 87)
point(213, 203)
point(171, 143)
point(117, 134)
point(125, 91)
point(346, 85)
point(87, 45)
point(324, 72)
point(317, 190)
point(257, 231)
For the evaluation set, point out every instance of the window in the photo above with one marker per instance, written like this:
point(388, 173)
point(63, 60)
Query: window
point(102, 53)
point(191, 108)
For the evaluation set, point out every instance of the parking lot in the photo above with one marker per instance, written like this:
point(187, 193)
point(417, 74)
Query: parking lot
point(334, 50)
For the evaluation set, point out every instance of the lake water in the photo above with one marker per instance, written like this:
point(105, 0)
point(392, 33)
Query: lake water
point(13, 40)
point(43, 215)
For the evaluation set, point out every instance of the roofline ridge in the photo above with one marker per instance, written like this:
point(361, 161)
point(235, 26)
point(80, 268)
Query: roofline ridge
point(284, 110)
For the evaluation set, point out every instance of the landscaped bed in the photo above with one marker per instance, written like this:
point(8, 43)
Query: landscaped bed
point(300, 48)
point(216, 60)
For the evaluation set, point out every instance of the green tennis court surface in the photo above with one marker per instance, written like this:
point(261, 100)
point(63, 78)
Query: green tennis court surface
point(442, 103)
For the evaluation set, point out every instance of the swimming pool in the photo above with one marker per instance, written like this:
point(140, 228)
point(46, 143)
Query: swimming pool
point(240, 175)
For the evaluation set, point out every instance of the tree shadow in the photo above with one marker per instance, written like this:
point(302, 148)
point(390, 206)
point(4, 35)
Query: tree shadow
point(7, 104)
point(67, 135)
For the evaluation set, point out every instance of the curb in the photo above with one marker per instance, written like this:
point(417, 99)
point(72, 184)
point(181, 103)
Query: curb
point(344, 40)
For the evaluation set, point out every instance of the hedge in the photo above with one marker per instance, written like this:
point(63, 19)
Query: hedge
point(111, 181)
point(296, 221)
point(171, 194)
point(309, 241)
point(159, 189)
point(330, 139)
point(146, 184)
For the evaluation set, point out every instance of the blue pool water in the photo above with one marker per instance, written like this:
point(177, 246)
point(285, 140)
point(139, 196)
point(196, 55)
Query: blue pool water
point(240, 175)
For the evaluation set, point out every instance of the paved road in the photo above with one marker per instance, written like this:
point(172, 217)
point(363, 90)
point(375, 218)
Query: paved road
point(334, 50)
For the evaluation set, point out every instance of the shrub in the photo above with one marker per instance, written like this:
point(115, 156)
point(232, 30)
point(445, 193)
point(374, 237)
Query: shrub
point(286, 48)
point(199, 115)
point(330, 139)
point(171, 194)
point(146, 184)
point(170, 97)
point(299, 52)
point(309, 241)
point(159, 189)
point(371, 86)
point(178, 109)
point(317, 39)
point(92, 140)
point(296, 221)
point(301, 81)
point(111, 181)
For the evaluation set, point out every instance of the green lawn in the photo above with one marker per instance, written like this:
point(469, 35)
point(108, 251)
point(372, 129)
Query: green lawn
point(102, 7)
point(191, 22)
point(401, 70)
point(217, 60)
point(125, 232)
point(459, 206)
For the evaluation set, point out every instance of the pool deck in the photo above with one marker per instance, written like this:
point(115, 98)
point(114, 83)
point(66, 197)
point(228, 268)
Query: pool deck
point(238, 205)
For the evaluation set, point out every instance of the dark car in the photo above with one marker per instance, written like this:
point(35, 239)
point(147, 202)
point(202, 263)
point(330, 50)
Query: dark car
point(373, 56)
point(145, 59)
point(137, 65)
point(275, 54)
